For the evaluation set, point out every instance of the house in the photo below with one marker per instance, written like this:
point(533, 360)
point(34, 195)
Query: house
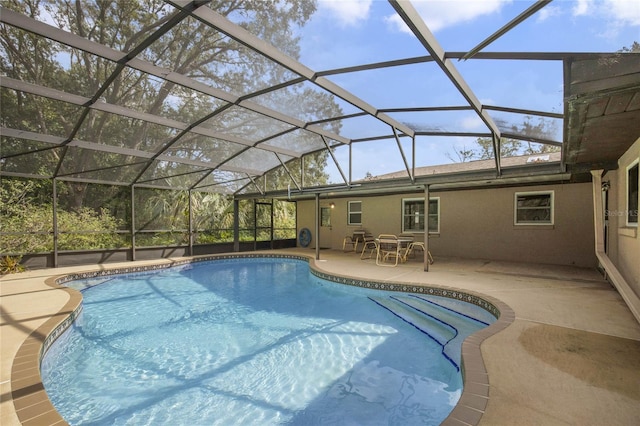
point(471, 221)
point(575, 207)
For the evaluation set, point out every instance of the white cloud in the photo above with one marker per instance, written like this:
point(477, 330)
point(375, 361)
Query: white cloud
point(442, 14)
point(395, 23)
point(581, 7)
point(347, 12)
point(548, 12)
point(622, 12)
point(472, 123)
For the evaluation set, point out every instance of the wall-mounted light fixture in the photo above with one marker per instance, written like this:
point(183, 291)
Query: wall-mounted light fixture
point(606, 185)
point(332, 205)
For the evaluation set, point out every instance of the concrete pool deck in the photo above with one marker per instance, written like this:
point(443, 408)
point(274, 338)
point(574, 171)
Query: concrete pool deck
point(571, 356)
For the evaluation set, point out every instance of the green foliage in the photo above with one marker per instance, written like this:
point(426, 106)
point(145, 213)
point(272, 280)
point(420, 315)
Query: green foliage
point(88, 229)
point(27, 214)
point(11, 265)
point(284, 213)
point(214, 236)
point(159, 209)
point(162, 239)
point(213, 211)
point(284, 234)
point(30, 230)
point(27, 219)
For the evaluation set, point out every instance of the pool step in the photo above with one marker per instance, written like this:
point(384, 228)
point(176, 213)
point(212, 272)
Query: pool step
point(440, 310)
point(443, 325)
point(459, 307)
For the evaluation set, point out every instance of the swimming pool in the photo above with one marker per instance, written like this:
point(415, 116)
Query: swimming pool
point(259, 341)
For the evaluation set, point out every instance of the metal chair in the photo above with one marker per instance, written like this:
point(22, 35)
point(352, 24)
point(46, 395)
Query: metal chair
point(349, 241)
point(388, 248)
point(420, 246)
point(369, 244)
point(356, 238)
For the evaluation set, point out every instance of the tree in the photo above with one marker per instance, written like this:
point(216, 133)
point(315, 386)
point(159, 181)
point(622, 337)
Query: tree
point(464, 154)
point(634, 48)
point(191, 48)
point(509, 147)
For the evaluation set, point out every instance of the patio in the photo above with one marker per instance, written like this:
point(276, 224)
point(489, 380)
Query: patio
point(572, 355)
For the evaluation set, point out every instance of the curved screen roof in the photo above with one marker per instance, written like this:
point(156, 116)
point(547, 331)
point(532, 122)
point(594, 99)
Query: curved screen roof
point(253, 97)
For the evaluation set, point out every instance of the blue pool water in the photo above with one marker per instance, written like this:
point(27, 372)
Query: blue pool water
point(255, 342)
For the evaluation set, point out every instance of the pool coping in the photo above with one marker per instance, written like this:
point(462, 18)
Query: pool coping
point(33, 406)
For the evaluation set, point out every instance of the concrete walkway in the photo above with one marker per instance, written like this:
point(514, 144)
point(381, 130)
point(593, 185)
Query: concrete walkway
point(570, 357)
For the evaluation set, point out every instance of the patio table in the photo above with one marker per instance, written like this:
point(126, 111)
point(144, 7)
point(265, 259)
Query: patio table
point(403, 246)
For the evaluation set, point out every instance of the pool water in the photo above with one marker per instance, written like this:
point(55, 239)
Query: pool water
point(248, 342)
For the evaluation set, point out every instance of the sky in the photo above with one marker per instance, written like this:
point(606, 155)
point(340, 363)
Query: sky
point(345, 33)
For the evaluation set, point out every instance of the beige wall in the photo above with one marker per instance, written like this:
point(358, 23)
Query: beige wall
point(623, 242)
point(479, 224)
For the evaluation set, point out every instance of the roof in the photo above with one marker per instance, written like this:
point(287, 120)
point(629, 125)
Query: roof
point(471, 166)
point(602, 110)
point(178, 95)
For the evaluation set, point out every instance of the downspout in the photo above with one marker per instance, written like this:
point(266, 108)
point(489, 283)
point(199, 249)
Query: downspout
point(426, 228)
point(612, 273)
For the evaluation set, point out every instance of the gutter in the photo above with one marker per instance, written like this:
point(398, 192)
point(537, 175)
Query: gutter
point(611, 271)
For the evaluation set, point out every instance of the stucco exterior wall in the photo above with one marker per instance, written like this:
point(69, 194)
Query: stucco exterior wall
point(479, 224)
point(624, 242)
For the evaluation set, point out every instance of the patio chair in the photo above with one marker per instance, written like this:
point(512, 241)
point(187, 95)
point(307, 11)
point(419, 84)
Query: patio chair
point(353, 240)
point(405, 241)
point(389, 249)
point(349, 241)
point(370, 245)
point(419, 245)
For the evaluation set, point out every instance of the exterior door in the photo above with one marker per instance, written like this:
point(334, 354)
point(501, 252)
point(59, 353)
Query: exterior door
point(325, 227)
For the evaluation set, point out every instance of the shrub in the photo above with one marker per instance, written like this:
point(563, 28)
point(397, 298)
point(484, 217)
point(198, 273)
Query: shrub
point(11, 265)
point(88, 229)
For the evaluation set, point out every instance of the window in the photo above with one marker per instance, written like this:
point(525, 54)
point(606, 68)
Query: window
point(413, 215)
point(534, 208)
point(632, 194)
point(355, 213)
